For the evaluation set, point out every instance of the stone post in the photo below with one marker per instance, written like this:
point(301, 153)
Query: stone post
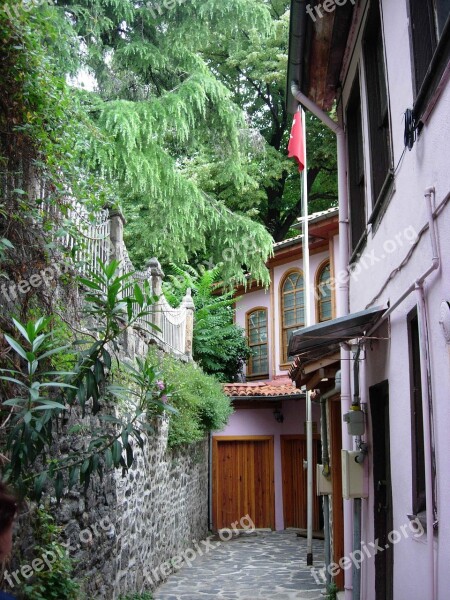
point(116, 243)
point(156, 278)
point(188, 303)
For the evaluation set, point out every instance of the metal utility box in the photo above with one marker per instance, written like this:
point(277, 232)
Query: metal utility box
point(355, 422)
point(353, 485)
point(324, 487)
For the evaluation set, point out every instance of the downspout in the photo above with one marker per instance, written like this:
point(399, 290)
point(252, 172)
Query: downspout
point(357, 502)
point(342, 295)
point(326, 472)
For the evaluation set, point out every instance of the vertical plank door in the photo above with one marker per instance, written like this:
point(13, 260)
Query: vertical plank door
point(243, 481)
point(293, 453)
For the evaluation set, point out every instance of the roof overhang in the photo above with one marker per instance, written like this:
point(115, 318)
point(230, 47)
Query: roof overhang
point(316, 50)
point(321, 339)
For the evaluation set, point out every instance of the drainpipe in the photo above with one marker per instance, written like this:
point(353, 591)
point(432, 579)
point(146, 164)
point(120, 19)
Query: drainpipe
point(342, 294)
point(326, 471)
point(425, 379)
point(357, 502)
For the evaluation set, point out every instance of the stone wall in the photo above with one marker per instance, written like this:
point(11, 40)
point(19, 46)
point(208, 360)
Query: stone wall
point(163, 505)
point(125, 527)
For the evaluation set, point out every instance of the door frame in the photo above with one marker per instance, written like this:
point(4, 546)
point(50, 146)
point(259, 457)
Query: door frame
point(215, 470)
point(382, 490)
point(301, 437)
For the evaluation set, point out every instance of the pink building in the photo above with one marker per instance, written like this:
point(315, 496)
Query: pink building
point(258, 458)
point(385, 63)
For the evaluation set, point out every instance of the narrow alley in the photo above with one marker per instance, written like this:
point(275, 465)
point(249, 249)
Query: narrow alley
point(265, 565)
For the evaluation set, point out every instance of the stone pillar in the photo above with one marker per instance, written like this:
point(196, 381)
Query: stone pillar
point(188, 303)
point(116, 243)
point(156, 276)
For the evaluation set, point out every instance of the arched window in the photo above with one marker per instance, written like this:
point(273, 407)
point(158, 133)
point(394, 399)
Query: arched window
point(292, 307)
point(258, 363)
point(323, 293)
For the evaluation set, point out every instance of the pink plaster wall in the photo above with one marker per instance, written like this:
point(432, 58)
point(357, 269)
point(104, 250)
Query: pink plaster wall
point(426, 165)
point(262, 298)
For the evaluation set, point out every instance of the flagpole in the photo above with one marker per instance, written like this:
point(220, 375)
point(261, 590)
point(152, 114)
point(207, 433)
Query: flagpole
point(307, 320)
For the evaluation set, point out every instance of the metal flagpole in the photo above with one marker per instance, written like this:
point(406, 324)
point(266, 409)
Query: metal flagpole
point(307, 321)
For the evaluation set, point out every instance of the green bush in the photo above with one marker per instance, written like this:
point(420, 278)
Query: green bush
point(55, 583)
point(199, 399)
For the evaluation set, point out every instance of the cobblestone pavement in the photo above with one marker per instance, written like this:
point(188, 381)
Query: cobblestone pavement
point(259, 565)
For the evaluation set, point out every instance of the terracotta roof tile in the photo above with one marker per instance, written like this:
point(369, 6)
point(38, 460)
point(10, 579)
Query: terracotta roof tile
point(278, 387)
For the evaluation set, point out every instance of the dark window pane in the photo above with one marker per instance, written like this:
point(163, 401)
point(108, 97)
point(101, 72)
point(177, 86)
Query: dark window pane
point(356, 166)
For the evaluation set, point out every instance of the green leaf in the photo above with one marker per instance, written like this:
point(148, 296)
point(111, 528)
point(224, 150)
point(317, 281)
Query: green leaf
point(22, 329)
point(16, 346)
point(108, 458)
point(129, 455)
point(39, 483)
point(59, 486)
point(49, 405)
point(139, 296)
point(116, 452)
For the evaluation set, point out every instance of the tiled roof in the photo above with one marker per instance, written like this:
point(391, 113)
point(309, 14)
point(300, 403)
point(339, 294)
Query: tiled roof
point(268, 389)
point(318, 215)
point(291, 240)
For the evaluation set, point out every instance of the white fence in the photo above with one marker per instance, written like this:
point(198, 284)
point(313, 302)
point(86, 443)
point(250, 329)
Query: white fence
point(99, 235)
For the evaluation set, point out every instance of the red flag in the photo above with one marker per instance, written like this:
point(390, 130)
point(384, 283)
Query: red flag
point(296, 147)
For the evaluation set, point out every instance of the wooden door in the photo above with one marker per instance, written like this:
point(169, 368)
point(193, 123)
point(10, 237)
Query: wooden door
point(293, 453)
point(383, 517)
point(243, 481)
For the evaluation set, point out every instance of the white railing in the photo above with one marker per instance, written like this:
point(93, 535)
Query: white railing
point(99, 235)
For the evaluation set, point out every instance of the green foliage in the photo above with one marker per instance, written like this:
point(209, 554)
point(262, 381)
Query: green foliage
point(39, 398)
point(219, 346)
point(199, 399)
point(55, 583)
point(332, 591)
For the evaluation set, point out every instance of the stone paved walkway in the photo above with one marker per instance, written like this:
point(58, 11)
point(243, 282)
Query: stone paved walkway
point(260, 565)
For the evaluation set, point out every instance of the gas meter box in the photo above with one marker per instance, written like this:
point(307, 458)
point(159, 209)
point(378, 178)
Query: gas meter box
point(355, 422)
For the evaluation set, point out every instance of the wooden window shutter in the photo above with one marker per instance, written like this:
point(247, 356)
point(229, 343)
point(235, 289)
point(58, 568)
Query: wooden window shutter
point(377, 99)
point(423, 33)
point(356, 166)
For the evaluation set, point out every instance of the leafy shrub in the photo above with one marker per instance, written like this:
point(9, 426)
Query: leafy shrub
point(55, 583)
point(198, 398)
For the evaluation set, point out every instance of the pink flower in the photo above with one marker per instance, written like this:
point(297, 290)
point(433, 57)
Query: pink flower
point(164, 399)
point(160, 384)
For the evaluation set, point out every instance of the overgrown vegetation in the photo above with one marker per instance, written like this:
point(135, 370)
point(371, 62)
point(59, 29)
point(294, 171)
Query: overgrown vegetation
point(55, 583)
point(39, 398)
point(219, 346)
point(198, 398)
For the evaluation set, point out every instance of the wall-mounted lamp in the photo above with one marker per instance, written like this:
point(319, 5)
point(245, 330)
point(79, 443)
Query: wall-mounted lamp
point(278, 415)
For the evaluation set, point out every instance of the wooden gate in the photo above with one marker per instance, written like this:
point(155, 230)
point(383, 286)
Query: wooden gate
point(243, 481)
point(293, 453)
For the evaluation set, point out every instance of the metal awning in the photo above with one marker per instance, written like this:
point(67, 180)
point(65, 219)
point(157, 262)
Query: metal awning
point(318, 339)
